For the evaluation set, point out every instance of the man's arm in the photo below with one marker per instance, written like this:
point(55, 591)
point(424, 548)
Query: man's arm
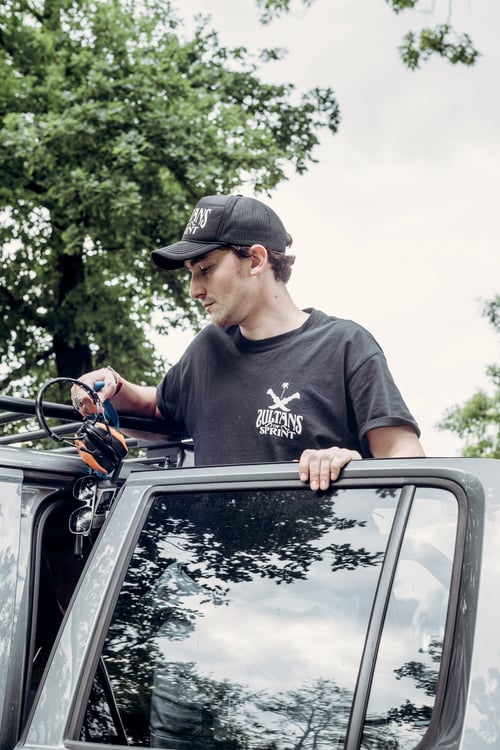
point(320, 467)
point(394, 442)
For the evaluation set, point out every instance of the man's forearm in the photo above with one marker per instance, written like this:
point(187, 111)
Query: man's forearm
point(136, 399)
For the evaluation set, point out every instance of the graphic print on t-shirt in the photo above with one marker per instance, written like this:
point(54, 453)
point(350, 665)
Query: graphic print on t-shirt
point(277, 418)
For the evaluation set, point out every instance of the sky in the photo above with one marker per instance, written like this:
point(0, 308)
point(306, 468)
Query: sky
point(397, 224)
point(281, 637)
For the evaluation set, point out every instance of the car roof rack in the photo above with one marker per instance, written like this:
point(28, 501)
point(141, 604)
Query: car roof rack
point(151, 435)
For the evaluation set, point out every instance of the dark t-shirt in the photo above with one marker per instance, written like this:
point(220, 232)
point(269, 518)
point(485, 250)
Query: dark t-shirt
point(325, 383)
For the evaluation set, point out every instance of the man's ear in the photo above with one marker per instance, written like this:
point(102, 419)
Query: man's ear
point(258, 258)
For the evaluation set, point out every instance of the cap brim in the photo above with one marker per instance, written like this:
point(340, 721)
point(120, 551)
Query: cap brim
point(173, 256)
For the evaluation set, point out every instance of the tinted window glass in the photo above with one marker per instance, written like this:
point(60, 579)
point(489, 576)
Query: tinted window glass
point(242, 620)
point(407, 669)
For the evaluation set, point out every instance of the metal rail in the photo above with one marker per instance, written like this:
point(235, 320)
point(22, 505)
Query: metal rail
point(18, 410)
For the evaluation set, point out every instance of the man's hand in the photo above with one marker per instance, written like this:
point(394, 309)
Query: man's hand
point(321, 467)
point(128, 398)
point(82, 401)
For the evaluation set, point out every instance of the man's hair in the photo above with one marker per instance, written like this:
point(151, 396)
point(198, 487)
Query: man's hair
point(279, 262)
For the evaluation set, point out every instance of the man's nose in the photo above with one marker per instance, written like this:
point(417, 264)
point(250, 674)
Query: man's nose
point(196, 288)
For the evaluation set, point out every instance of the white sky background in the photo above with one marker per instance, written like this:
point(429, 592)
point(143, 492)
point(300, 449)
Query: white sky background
point(397, 224)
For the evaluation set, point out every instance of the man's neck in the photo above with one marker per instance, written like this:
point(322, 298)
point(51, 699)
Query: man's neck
point(272, 320)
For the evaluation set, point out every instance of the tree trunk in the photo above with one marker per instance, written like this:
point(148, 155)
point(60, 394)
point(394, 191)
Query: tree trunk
point(73, 356)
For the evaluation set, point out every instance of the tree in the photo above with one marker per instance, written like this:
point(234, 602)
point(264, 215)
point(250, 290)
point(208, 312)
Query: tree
point(416, 47)
point(478, 420)
point(112, 126)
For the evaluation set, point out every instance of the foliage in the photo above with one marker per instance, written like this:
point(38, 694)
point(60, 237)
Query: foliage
point(253, 538)
point(112, 126)
point(424, 676)
point(477, 421)
point(441, 40)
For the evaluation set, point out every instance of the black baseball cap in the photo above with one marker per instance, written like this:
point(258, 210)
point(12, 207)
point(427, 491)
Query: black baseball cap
point(221, 220)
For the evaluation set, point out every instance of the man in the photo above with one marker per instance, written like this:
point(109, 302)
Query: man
point(266, 381)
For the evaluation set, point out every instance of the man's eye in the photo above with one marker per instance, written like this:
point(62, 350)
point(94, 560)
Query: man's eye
point(204, 270)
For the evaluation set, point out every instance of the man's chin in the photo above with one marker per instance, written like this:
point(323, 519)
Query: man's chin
point(220, 320)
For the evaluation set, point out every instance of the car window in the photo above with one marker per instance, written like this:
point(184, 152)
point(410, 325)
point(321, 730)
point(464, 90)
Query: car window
point(243, 618)
point(407, 668)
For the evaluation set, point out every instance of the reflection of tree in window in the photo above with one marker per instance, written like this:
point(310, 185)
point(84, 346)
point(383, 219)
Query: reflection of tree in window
point(223, 539)
point(424, 677)
point(315, 716)
point(408, 715)
point(311, 717)
point(240, 536)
